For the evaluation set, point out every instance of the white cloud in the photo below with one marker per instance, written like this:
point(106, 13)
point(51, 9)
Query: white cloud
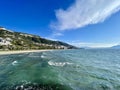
point(93, 45)
point(54, 35)
point(85, 12)
point(57, 34)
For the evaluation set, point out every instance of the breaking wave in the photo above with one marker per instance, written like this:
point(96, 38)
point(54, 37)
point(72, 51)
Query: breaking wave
point(59, 63)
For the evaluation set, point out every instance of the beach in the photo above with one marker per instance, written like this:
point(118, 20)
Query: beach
point(21, 51)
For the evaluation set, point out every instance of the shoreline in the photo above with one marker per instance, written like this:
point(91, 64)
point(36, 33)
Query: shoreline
point(22, 51)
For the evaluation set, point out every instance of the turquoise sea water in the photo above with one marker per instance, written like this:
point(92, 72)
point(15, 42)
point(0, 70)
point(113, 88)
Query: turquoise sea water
point(90, 69)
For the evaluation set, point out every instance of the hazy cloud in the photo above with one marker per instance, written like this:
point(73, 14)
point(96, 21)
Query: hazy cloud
point(93, 45)
point(85, 12)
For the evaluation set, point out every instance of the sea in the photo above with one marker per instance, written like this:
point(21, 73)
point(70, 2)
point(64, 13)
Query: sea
point(80, 69)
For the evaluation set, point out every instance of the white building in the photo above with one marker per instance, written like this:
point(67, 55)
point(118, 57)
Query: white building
point(5, 41)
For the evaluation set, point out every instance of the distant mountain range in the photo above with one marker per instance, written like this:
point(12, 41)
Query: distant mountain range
point(116, 47)
point(10, 40)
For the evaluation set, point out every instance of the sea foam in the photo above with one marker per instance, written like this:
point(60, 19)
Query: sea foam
point(58, 63)
point(42, 56)
point(14, 62)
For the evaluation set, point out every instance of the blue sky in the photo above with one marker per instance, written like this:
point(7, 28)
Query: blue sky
point(93, 23)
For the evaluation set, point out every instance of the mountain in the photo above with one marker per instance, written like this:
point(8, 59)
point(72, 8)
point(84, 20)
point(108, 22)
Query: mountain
point(116, 47)
point(10, 40)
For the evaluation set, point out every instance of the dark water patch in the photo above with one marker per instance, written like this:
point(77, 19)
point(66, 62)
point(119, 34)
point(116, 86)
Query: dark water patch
point(35, 86)
point(101, 86)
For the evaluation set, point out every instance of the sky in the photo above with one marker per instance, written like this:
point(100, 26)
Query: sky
point(83, 23)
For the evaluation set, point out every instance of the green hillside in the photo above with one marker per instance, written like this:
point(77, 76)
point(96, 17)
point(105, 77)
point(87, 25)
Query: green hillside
point(10, 40)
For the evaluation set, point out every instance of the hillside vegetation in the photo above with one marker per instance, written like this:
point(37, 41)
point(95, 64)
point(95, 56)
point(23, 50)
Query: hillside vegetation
point(10, 40)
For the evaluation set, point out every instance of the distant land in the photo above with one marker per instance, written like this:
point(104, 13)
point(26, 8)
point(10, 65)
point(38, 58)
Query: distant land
point(10, 40)
point(116, 47)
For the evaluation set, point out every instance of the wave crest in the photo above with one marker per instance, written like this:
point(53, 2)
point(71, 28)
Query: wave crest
point(58, 63)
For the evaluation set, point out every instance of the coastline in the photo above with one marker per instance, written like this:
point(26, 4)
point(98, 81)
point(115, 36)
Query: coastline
point(22, 51)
